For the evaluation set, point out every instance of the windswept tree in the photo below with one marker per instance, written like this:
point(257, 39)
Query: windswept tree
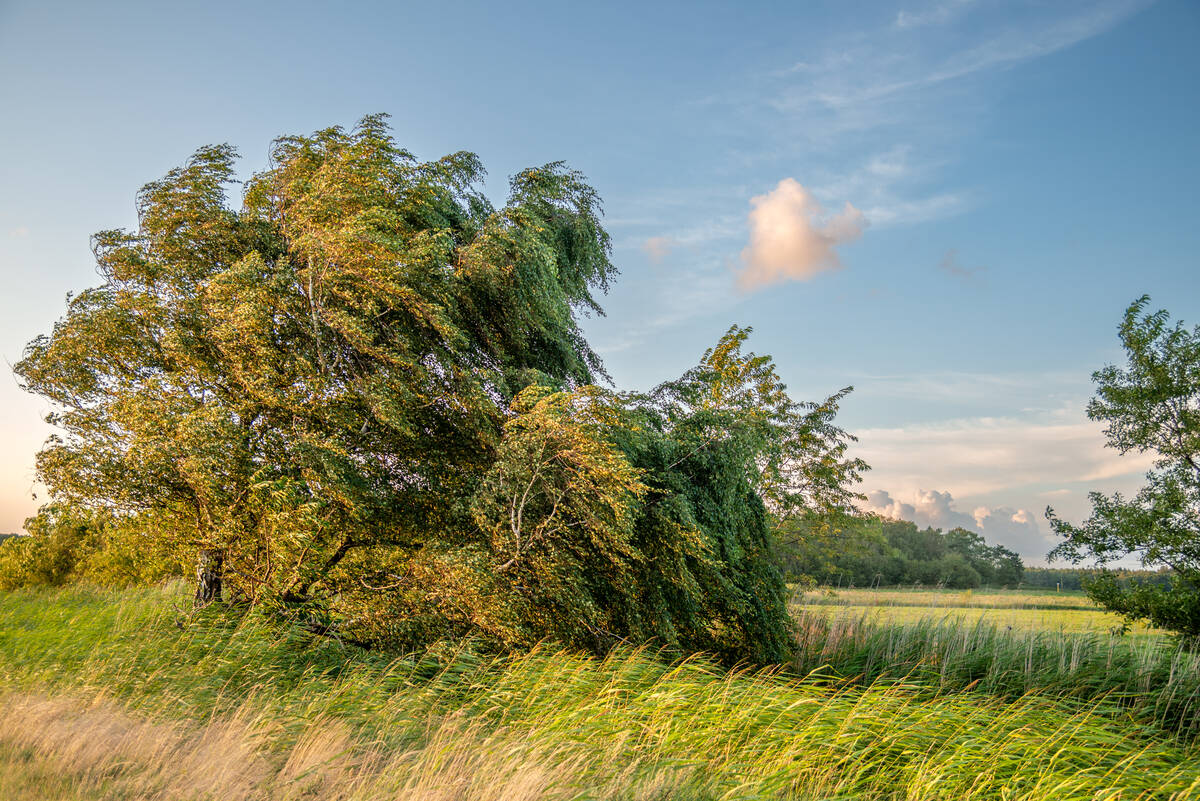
point(1151, 405)
point(364, 398)
point(726, 454)
point(327, 369)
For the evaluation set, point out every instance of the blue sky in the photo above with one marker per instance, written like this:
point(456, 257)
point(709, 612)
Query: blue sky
point(947, 204)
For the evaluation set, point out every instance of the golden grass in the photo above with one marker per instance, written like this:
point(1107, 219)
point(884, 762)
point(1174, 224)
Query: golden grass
point(101, 747)
point(70, 748)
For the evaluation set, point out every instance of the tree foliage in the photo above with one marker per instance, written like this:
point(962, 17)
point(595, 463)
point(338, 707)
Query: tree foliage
point(366, 395)
point(1150, 405)
point(326, 369)
point(66, 544)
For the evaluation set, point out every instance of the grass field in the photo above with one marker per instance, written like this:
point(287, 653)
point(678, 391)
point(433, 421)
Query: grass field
point(112, 695)
point(1022, 610)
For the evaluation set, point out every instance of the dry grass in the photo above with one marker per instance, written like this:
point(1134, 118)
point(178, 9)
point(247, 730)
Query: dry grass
point(105, 750)
point(71, 748)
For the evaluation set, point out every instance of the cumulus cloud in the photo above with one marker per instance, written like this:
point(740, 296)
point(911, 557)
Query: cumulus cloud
point(1017, 529)
point(657, 248)
point(927, 508)
point(790, 237)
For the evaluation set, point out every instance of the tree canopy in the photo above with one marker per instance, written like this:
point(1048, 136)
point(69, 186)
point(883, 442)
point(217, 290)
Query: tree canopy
point(366, 397)
point(1150, 405)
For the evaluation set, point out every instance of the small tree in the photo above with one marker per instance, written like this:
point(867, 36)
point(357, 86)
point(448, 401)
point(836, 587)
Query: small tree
point(1151, 405)
point(726, 453)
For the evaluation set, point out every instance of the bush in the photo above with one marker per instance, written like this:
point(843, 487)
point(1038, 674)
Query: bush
point(66, 544)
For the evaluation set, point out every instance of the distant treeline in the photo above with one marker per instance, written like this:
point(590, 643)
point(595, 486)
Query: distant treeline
point(1073, 578)
point(878, 552)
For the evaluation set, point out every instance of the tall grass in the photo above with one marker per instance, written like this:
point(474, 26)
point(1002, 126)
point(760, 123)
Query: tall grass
point(1152, 678)
point(297, 719)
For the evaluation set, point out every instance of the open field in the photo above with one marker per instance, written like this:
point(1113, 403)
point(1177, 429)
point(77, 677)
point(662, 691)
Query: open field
point(1022, 610)
point(104, 696)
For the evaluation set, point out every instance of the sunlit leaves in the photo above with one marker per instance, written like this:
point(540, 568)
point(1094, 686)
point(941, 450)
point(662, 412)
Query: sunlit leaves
point(325, 370)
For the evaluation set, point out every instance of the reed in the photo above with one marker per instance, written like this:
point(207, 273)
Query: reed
point(1154, 679)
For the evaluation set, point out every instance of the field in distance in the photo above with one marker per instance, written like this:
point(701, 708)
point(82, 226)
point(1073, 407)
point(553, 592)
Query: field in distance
point(1019, 610)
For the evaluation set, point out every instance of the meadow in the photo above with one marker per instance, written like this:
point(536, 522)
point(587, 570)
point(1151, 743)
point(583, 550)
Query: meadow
point(1019, 610)
point(119, 695)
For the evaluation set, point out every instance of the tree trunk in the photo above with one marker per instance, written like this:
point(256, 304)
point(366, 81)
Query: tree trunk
point(209, 566)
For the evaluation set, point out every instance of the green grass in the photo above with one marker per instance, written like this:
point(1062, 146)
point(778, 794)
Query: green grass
point(1005, 643)
point(319, 720)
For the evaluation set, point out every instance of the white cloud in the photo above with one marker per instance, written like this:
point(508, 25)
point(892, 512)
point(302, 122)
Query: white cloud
point(1017, 529)
point(791, 240)
point(926, 508)
point(20, 232)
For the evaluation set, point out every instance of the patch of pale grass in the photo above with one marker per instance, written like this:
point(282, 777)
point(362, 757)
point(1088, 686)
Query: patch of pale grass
point(67, 748)
point(96, 741)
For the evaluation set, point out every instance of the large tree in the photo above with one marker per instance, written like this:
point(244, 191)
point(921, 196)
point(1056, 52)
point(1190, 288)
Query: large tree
point(326, 369)
point(1151, 405)
point(363, 397)
point(728, 454)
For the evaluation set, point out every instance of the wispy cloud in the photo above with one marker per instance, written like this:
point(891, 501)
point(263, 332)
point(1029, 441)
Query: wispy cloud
point(1003, 469)
point(875, 115)
point(952, 266)
point(20, 232)
point(658, 247)
point(875, 104)
point(701, 289)
point(936, 14)
point(872, 67)
point(989, 455)
point(1051, 390)
point(889, 186)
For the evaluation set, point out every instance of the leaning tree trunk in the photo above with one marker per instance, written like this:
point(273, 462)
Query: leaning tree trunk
point(209, 565)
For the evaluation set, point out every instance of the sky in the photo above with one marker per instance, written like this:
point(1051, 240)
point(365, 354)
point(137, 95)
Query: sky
point(946, 204)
